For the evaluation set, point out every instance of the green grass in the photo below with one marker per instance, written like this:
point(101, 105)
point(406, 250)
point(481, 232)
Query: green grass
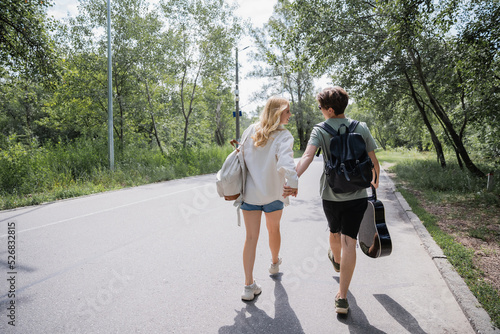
point(401, 155)
point(297, 154)
point(420, 173)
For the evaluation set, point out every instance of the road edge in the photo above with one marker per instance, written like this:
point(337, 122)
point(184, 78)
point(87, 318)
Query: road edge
point(475, 313)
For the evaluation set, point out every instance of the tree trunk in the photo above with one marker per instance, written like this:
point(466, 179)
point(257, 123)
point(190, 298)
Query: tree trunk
point(28, 108)
point(219, 134)
point(459, 160)
point(444, 118)
point(155, 131)
point(119, 131)
point(186, 116)
point(298, 112)
point(191, 100)
point(300, 118)
point(435, 139)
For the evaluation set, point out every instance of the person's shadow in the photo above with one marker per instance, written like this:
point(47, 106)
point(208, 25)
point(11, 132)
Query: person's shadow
point(285, 320)
point(356, 319)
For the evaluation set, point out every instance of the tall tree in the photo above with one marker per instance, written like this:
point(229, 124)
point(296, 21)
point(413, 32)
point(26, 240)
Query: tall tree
point(289, 68)
point(206, 31)
point(136, 47)
point(360, 40)
point(21, 104)
point(478, 49)
point(24, 36)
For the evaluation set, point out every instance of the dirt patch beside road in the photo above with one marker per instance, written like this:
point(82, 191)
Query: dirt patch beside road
point(477, 229)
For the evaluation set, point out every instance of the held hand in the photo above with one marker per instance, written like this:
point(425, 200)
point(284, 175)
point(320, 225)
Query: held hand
point(375, 184)
point(289, 191)
point(292, 192)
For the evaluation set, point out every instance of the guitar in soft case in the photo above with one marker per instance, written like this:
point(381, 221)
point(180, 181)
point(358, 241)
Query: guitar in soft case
point(374, 238)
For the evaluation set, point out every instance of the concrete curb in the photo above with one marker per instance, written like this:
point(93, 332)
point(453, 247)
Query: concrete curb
point(478, 318)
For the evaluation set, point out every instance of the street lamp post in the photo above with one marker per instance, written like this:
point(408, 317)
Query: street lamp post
point(237, 100)
point(110, 97)
point(283, 81)
point(237, 97)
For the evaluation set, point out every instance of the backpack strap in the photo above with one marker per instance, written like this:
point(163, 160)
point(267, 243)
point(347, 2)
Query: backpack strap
point(353, 126)
point(328, 129)
point(238, 146)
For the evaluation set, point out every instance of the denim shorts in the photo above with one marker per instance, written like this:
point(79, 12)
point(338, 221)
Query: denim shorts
point(271, 207)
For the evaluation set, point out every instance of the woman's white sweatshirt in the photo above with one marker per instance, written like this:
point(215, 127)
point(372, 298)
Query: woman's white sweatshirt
point(269, 167)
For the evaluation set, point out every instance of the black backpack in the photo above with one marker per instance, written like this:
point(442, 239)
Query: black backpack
point(349, 167)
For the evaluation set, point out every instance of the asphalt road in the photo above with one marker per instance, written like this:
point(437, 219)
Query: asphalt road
point(166, 258)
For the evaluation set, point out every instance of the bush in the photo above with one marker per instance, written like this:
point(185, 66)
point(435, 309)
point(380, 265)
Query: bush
point(428, 175)
point(15, 164)
point(32, 175)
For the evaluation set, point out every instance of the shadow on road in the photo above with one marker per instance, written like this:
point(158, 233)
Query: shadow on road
point(356, 319)
point(285, 320)
point(401, 315)
point(11, 218)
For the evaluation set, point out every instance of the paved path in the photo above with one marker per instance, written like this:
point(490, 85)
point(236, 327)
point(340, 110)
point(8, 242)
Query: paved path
point(166, 258)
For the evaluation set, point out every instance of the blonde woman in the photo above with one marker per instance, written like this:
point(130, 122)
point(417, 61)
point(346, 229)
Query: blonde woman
point(268, 153)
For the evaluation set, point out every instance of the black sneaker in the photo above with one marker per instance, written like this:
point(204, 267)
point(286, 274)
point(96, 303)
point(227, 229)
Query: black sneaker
point(341, 306)
point(336, 266)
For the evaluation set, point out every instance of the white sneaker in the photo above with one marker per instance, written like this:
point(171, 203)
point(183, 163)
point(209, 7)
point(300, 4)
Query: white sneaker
point(275, 267)
point(251, 291)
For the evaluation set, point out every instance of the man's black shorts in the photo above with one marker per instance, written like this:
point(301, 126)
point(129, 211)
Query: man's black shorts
point(345, 217)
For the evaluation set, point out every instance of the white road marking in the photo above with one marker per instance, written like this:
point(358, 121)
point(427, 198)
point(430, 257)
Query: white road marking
point(102, 211)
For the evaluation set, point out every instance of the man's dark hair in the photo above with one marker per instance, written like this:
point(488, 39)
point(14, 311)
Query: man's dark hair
point(334, 97)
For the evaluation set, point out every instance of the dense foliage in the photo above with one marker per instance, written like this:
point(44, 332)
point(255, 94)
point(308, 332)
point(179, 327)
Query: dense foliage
point(288, 72)
point(428, 70)
point(423, 74)
point(172, 67)
point(33, 174)
point(25, 44)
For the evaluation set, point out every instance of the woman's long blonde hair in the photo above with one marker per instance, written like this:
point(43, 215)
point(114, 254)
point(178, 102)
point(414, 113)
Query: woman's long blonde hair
point(269, 120)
